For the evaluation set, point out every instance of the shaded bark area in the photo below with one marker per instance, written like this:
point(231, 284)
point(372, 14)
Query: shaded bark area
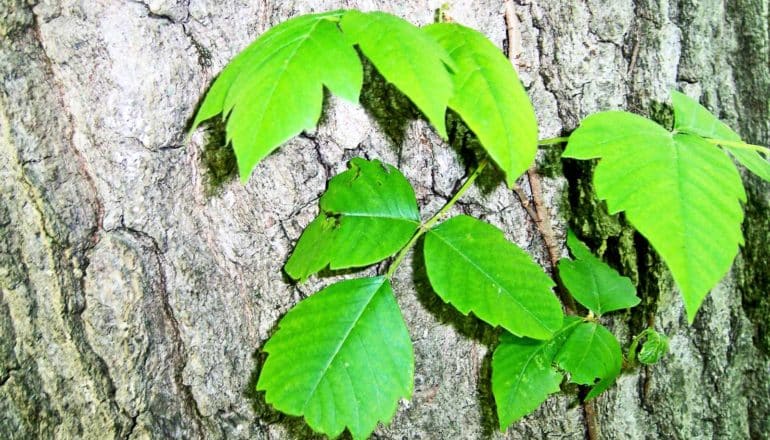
point(138, 278)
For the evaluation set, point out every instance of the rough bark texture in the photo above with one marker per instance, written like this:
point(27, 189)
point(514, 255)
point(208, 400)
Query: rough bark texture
point(138, 278)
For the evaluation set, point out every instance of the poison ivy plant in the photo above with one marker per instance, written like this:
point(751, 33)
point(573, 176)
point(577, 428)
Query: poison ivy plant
point(677, 189)
point(489, 98)
point(654, 347)
point(472, 266)
point(349, 233)
point(268, 94)
point(526, 371)
point(342, 358)
point(592, 283)
point(273, 90)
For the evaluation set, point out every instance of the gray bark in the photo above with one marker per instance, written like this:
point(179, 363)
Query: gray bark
point(136, 290)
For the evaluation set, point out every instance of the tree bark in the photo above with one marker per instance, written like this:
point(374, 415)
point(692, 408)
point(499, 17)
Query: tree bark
point(139, 279)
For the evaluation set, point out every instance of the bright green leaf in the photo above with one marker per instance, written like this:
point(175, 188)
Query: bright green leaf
point(368, 213)
point(654, 347)
point(406, 57)
point(471, 265)
point(752, 160)
point(593, 283)
point(592, 356)
point(679, 191)
point(273, 90)
point(523, 375)
point(341, 358)
point(691, 117)
point(490, 98)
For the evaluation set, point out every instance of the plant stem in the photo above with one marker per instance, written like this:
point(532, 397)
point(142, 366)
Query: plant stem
point(741, 145)
point(436, 217)
point(541, 216)
point(553, 141)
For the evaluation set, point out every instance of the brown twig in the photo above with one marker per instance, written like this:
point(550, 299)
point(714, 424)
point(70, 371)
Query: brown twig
point(592, 428)
point(540, 213)
point(634, 55)
point(543, 220)
point(512, 25)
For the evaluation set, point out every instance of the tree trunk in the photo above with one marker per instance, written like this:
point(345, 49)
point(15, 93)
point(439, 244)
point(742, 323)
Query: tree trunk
point(140, 279)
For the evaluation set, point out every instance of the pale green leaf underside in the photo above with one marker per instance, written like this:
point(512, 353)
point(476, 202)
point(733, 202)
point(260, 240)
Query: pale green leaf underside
point(406, 57)
point(752, 160)
point(592, 356)
point(341, 358)
point(679, 191)
point(490, 98)
point(273, 90)
point(368, 213)
point(471, 265)
point(691, 117)
point(523, 375)
point(593, 283)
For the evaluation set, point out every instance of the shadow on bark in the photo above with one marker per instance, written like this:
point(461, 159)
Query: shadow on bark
point(387, 105)
point(467, 325)
point(266, 415)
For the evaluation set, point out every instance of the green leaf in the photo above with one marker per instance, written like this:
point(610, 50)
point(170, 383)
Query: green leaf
point(490, 98)
point(471, 265)
point(679, 191)
point(368, 213)
point(406, 57)
point(752, 160)
point(523, 375)
point(273, 90)
point(591, 352)
point(341, 358)
point(593, 283)
point(691, 117)
point(654, 347)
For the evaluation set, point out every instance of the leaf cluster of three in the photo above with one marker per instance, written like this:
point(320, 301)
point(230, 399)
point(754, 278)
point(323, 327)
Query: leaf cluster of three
point(343, 357)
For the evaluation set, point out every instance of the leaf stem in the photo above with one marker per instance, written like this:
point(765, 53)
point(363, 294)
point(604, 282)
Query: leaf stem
point(740, 144)
point(436, 217)
point(553, 141)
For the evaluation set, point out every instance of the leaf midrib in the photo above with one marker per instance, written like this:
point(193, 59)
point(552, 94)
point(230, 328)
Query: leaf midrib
point(426, 97)
point(544, 345)
point(588, 345)
point(489, 277)
point(325, 369)
point(520, 376)
point(374, 216)
point(281, 71)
